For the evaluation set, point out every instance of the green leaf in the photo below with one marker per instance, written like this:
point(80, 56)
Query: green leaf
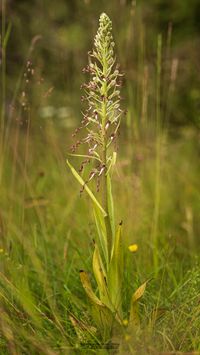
point(7, 35)
point(100, 276)
point(139, 292)
point(88, 288)
point(134, 319)
point(102, 315)
point(101, 231)
point(116, 270)
point(81, 181)
point(104, 320)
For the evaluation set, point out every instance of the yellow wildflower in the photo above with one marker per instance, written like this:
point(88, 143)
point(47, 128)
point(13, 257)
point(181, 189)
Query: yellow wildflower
point(125, 322)
point(133, 248)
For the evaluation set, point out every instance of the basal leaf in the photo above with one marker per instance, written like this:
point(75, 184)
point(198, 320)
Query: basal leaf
point(100, 276)
point(139, 292)
point(102, 315)
point(134, 319)
point(88, 288)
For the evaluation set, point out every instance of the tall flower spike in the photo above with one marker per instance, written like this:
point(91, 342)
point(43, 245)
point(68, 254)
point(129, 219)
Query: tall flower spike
point(101, 118)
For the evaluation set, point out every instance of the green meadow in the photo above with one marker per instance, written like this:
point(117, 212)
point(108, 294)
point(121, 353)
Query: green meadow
point(99, 186)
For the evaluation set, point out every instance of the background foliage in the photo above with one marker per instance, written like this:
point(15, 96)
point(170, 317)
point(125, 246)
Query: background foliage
point(63, 36)
point(46, 229)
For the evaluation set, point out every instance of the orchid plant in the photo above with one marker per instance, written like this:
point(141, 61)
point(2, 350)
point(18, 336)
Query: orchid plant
point(101, 122)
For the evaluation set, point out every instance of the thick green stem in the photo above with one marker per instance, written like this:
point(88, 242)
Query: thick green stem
point(104, 160)
point(105, 205)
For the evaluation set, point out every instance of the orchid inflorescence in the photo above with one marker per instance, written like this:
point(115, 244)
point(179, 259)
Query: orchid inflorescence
point(102, 95)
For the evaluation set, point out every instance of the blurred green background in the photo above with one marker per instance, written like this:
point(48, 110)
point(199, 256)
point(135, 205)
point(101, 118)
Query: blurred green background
point(61, 33)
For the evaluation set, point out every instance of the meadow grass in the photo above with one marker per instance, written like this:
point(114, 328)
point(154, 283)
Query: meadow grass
point(46, 236)
point(46, 233)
